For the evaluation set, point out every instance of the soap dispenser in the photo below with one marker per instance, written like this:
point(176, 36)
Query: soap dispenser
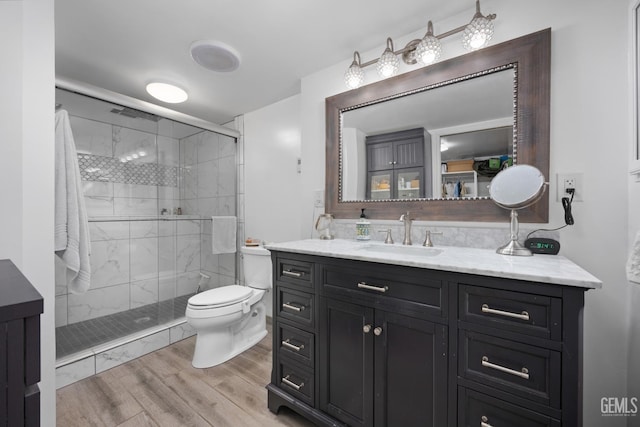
point(363, 228)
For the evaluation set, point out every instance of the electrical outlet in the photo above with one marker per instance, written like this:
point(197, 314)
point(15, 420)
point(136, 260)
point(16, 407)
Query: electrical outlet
point(569, 181)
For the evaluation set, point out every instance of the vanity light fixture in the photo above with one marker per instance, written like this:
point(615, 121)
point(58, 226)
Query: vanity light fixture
point(354, 75)
point(167, 93)
point(388, 63)
point(429, 49)
point(476, 34)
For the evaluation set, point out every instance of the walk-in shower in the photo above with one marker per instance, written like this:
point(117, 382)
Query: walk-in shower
point(151, 186)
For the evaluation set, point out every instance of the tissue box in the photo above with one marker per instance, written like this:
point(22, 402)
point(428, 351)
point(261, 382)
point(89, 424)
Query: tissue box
point(460, 165)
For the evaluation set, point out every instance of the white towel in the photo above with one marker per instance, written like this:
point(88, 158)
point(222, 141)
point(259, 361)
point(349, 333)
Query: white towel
point(72, 242)
point(223, 234)
point(633, 263)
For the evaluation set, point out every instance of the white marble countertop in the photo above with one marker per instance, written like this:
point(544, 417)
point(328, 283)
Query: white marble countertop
point(552, 269)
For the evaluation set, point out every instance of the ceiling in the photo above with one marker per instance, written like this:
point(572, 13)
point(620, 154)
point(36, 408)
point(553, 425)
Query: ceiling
point(122, 45)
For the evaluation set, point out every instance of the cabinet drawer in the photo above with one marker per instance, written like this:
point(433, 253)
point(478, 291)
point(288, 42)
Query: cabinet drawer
point(296, 344)
point(478, 410)
point(520, 369)
point(295, 272)
point(296, 381)
point(427, 292)
point(296, 306)
point(530, 314)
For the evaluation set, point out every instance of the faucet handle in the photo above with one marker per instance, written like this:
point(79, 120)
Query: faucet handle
point(427, 238)
point(405, 217)
point(388, 239)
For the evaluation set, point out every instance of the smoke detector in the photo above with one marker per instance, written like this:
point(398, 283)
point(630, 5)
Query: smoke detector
point(215, 56)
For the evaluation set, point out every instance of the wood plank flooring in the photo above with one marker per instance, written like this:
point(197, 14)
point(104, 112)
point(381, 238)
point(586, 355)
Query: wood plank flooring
point(162, 389)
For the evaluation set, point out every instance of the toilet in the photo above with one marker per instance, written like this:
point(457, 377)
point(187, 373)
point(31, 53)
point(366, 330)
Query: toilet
point(230, 319)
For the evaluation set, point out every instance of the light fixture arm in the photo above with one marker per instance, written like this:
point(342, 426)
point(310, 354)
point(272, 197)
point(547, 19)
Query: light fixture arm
point(356, 59)
point(408, 52)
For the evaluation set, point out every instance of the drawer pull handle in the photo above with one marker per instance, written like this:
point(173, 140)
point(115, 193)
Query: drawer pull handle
point(292, 273)
point(363, 285)
point(366, 328)
point(293, 347)
point(522, 316)
point(377, 331)
point(290, 383)
point(524, 373)
point(484, 423)
point(290, 306)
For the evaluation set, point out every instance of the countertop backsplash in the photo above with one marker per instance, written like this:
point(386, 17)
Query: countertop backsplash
point(489, 237)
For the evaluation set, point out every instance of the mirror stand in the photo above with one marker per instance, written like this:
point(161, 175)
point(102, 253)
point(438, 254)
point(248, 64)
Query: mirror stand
point(514, 247)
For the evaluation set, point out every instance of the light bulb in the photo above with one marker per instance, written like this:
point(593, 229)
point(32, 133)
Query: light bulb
point(354, 76)
point(388, 64)
point(428, 50)
point(478, 33)
point(142, 153)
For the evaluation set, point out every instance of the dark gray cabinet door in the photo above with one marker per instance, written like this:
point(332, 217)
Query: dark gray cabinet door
point(409, 153)
point(346, 362)
point(380, 368)
point(380, 156)
point(410, 371)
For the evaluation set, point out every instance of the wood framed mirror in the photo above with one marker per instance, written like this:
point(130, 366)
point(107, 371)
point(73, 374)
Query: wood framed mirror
point(526, 61)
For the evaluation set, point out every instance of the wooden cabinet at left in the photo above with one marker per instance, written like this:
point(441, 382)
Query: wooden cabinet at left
point(20, 309)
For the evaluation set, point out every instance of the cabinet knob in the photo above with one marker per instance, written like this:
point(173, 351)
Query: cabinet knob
point(377, 331)
point(484, 422)
point(366, 329)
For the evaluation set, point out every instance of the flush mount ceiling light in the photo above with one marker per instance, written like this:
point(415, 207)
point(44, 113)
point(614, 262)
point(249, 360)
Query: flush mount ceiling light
point(476, 34)
point(167, 93)
point(215, 56)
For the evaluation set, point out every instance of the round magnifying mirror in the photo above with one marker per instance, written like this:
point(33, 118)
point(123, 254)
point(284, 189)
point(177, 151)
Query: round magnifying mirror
point(515, 188)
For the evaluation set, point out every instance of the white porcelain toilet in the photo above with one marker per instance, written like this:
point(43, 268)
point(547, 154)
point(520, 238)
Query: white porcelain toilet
point(230, 319)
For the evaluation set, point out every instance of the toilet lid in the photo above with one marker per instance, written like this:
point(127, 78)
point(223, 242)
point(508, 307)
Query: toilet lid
point(224, 295)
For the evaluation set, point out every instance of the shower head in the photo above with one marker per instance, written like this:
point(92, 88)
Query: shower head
point(135, 114)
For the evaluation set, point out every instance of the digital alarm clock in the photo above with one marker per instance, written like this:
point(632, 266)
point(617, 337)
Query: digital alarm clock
point(539, 245)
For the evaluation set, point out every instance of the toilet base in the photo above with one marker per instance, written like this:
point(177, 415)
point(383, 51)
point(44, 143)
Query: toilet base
point(217, 345)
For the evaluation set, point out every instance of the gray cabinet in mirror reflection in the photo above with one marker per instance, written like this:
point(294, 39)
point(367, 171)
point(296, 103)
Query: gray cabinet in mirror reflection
point(503, 88)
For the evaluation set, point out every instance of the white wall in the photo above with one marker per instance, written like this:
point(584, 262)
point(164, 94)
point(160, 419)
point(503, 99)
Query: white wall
point(589, 123)
point(26, 161)
point(271, 178)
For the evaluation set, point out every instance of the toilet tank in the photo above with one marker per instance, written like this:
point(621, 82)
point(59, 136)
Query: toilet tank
point(256, 265)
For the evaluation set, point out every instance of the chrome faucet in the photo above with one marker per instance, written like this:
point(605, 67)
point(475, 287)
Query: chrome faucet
point(407, 228)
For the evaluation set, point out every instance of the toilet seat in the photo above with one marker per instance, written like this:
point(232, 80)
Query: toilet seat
point(219, 297)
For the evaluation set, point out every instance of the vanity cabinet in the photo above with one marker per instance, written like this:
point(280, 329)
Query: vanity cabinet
point(20, 309)
point(384, 347)
point(388, 345)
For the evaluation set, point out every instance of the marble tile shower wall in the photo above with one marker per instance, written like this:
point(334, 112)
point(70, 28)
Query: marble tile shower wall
point(135, 263)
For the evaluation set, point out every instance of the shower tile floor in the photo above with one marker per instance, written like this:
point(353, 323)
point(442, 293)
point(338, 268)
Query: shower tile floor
point(84, 335)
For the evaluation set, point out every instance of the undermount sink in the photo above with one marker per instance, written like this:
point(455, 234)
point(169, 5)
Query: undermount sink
point(403, 250)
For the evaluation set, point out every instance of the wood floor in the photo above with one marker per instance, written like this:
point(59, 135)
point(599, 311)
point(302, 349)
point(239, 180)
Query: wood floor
point(162, 389)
